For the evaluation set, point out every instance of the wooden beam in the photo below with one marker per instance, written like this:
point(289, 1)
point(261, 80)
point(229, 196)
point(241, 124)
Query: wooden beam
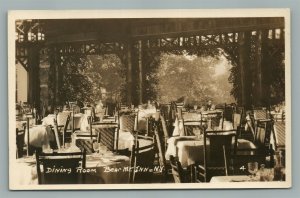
point(204, 26)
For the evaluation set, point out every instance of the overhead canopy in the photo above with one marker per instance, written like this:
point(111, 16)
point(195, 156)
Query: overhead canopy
point(137, 40)
point(72, 30)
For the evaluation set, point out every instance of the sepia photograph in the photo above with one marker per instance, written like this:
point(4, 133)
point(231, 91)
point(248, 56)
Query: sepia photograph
point(149, 99)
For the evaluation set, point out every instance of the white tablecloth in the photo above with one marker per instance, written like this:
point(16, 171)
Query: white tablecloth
point(188, 150)
point(40, 136)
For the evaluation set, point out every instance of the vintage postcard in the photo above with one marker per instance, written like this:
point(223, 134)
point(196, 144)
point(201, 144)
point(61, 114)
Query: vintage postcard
point(149, 99)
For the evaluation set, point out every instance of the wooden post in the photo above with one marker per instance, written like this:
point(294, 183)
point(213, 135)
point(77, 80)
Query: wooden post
point(34, 83)
point(244, 60)
point(129, 75)
point(140, 65)
point(258, 71)
point(56, 79)
point(266, 70)
point(52, 81)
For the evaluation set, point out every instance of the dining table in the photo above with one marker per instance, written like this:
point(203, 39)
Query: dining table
point(190, 149)
point(101, 168)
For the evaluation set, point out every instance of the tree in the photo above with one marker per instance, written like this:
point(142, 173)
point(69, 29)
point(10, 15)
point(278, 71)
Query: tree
point(194, 78)
point(91, 78)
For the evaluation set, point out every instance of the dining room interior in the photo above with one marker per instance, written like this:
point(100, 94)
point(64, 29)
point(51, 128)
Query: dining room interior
point(150, 100)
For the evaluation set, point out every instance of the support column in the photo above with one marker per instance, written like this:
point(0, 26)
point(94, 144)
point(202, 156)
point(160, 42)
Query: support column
point(44, 80)
point(53, 77)
point(140, 70)
point(244, 64)
point(258, 71)
point(56, 66)
point(33, 68)
point(266, 69)
point(129, 74)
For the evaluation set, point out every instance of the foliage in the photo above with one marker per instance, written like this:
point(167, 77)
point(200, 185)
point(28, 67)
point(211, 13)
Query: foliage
point(192, 77)
point(90, 78)
point(277, 79)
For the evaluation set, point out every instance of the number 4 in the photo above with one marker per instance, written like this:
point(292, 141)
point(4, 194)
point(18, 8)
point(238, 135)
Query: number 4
point(242, 168)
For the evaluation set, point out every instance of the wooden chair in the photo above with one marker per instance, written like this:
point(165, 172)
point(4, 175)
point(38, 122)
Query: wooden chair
point(279, 135)
point(84, 140)
point(128, 123)
point(213, 119)
point(192, 128)
point(165, 131)
point(62, 128)
point(263, 133)
point(192, 123)
point(160, 145)
point(260, 114)
point(141, 157)
point(60, 168)
point(110, 108)
point(55, 130)
point(237, 120)
point(166, 117)
point(217, 154)
point(260, 151)
point(20, 135)
point(108, 136)
point(228, 112)
point(177, 170)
